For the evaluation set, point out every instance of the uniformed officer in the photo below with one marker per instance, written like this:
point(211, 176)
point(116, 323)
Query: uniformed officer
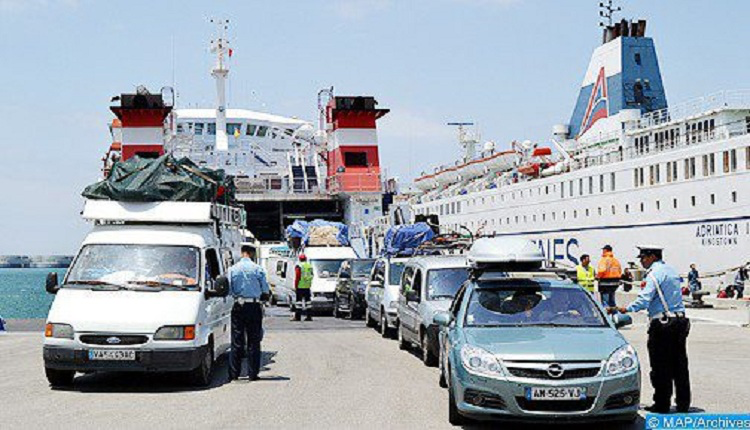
point(667, 332)
point(303, 277)
point(248, 285)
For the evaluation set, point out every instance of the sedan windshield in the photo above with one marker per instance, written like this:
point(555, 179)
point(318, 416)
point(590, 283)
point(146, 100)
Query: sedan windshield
point(444, 283)
point(362, 268)
point(326, 268)
point(135, 266)
point(531, 304)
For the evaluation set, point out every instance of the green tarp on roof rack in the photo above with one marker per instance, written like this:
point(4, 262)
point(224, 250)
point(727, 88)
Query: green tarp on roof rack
point(162, 179)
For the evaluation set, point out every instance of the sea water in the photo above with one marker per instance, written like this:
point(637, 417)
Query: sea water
point(22, 293)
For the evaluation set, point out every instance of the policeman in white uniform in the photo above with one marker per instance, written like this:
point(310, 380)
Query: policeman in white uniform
point(667, 332)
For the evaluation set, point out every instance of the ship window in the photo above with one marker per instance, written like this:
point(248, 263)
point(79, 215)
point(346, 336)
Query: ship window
point(262, 131)
point(747, 150)
point(635, 178)
point(734, 196)
point(233, 128)
point(642, 206)
point(726, 161)
point(355, 159)
point(733, 160)
point(562, 191)
point(546, 189)
point(638, 58)
point(601, 183)
point(580, 186)
point(600, 210)
point(692, 200)
point(211, 129)
point(198, 128)
point(575, 213)
point(570, 184)
point(674, 203)
point(713, 199)
point(591, 185)
point(251, 129)
point(516, 219)
point(524, 218)
point(690, 168)
point(565, 215)
point(627, 208)
point(658, 205)
point(507, 220)
point(533, 217)
point(587, 212)
point(554, 216)
point(544, 217)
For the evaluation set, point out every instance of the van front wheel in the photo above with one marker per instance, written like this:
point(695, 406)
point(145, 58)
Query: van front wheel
point(59, 378)
point(202, 375)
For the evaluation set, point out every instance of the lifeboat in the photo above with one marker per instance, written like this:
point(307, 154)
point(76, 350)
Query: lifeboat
point(449, 175)
point(425, 182)
point(500, 161)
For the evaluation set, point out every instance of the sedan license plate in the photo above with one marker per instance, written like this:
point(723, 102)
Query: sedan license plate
point(111, 355)
point(555, 393)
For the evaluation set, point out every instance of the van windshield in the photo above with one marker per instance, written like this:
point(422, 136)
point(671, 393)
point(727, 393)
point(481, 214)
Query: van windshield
point(444, 283)
point(135, 267)
point(394, 273)
point(362, 268)
point(326, 268)
point(532, 304)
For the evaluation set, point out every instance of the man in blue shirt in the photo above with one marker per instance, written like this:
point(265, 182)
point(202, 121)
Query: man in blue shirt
point(667, 332)
point(248, 287)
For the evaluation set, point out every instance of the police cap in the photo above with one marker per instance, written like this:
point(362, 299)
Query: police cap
point(646, 250)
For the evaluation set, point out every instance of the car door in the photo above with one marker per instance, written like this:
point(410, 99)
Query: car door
point(375, 289)
point(226, 305)
point(407, 276)
point(449, 334)
point(214, 306)
point(412, 306)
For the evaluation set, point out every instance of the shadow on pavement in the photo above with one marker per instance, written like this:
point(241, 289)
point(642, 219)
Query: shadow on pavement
point(170, 382)
point(637, 424)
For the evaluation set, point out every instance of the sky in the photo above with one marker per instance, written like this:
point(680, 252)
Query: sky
point(512, 66)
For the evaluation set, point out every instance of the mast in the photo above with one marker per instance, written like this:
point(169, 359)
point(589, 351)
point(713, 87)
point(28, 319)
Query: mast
point(466, 139)
point(220, 47)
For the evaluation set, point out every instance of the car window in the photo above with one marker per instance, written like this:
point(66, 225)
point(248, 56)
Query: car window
point(532, 304)
point(444, 283)
point(361, 268)
point(416, 284)
point(213, 269)
point(378, 273)
point(406, 278)
point(394, 273)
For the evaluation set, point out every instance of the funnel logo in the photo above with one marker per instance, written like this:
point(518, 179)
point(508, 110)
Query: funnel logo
point(598, 105)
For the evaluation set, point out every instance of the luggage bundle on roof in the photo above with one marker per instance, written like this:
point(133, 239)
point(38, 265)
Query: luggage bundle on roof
point(317, 233)
point(162, 179)
point(505, 254)
point(405, 239)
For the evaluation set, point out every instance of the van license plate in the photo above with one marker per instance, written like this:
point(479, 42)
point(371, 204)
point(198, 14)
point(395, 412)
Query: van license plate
point(111, 355)
point(555, 393)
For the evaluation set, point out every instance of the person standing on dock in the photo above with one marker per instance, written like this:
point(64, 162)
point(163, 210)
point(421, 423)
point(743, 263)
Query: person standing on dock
point(609, 273)
point(667, 331)
point(303, 277)
point(585, 274)
point(248, 286)
point(694, 282)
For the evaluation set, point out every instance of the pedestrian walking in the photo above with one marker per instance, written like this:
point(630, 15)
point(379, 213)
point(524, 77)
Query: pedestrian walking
point(249, 288)
point(585, 274)
point(303, 277)
point(694, 282)
point(609, 273)
point(667, 331)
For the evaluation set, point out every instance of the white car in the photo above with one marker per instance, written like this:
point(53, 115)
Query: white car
point(146, 292)
point(382, 294)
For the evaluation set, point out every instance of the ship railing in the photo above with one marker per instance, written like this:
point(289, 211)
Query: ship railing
point(732, 99)
point(273, 185)
point(355, 182)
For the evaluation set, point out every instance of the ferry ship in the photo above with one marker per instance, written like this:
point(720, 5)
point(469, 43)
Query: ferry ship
point(628, 169)
point(284, 169)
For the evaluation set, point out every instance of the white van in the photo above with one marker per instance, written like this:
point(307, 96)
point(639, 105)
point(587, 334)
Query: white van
point(146, 292)
point(326, 261)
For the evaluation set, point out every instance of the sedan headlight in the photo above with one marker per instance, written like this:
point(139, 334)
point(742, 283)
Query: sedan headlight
point(624, 359)
point(480, 362)
point(175, 332)
point(59, 331)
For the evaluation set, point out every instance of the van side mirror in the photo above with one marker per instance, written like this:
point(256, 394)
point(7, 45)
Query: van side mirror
point(621, 320)
point(52, 286)
point(443, 318)
point(377, 283)
point(220, 287)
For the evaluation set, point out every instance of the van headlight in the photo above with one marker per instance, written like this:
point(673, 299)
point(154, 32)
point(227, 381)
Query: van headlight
point(624, 359)
point(480, 362)
point(175, 332)
point(59, 331)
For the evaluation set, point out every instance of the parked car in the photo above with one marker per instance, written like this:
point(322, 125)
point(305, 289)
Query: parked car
point(349, 299)
point(428, 285)
point(382, 294)
point(533, 347)
point(280, 274)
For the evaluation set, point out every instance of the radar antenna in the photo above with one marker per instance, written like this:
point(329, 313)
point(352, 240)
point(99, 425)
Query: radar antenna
point(467, 139)
point(607, 11)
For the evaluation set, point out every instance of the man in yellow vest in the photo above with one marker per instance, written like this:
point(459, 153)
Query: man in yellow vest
point(303, 277)
point(586, 275)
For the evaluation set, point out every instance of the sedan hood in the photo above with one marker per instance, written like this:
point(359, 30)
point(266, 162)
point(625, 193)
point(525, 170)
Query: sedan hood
point(124, 311)
point(546, 343)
